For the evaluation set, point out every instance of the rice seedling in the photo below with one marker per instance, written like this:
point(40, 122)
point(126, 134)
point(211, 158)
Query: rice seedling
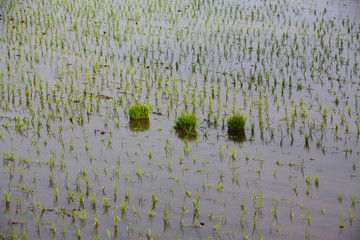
point(166, 214)
point(308, 178)
point(138, 112)
point(151, 212)
point(123, 205)
point(236, 123)
point(353, 201)
point(340, 197)
point(186, 122)
point(233, 154)
point(295, 188)
point(116, 219)
point(148, 234)
point(317, 179)
point(7, 198)
point(196, 204)
point(53, 227)
point(82, 215)
point(341, 224)
point(78, 232)
point(106, 203)
point(96, 223)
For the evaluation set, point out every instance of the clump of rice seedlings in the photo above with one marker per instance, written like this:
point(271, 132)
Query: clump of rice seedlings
point(236, 123)
point(186, 122)
point(138, 112)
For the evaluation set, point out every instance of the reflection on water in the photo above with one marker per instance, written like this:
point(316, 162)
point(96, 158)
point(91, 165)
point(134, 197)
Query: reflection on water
point(139, 125)
point(183, 135)
point(237, 136)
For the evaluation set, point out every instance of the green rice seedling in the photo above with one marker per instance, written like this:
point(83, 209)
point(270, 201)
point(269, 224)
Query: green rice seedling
point(236, 123)
point(140, 198)
point(308, 218)
point(353, 201)
point(252, 128)
point(37, 221)
point(322, 211)
point(96, 223)
point(235, 178)
point(78, 232)
point(317, 179)
point(153, 199)
point(148, 232)
point(170, 166)
point(219, 186)
point(302, 165)
point(196, 204)
point(123, 205)
point(82, 215)
point(276, 172)
point(215, 227)
point(126, 194)
point(151, 212)
point(186, 122)
point(308, 178)
point(115, 190)
point(7, 198)
point(295, 188)
point(221, 151)
point(138, 112)
point(53, 226)
point(233, 154)
point(106, 203)
point(340, 197)
point(166, 214)
point(306, 140)
point(116, 219)
point(56, 193)
point(93, 200)
point(341, 224)
point(140, 172)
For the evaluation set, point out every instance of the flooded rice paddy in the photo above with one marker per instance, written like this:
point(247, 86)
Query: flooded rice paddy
point(75, 166)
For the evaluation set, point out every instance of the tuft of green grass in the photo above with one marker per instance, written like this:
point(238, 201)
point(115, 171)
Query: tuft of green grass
point(186, 122)
point(139, 112)
point(236, 123)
